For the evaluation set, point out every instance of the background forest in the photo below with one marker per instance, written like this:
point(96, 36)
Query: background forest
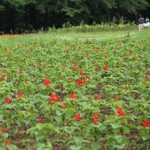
point(29, 15)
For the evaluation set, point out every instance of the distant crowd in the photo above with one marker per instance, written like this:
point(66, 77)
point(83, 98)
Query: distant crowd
point(143, 22)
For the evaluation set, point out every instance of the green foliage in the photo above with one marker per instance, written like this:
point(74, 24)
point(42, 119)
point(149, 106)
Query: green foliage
point(74, 93)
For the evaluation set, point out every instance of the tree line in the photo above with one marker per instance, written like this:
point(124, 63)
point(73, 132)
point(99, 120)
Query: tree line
point(21, 15)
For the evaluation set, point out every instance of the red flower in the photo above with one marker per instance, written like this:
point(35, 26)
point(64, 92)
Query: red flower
point(95, 118)
point(75, 66)
point(40, 120)
point(106, 56)
point(6, 142)
point(46, 82)
point(105, 67)
point(20, 71)
point(120, 112)
point(63, 105)
point(146, 123)
point(6, 148)
point(97, 69)
point(116, 98)
point(81, 82)
point(67, 51)
point(77, 117)
point(19, 94)
point(8, 100)
point(72, 95)
point(54, 98)
point(87, 54)
point(97, 97)
point(126, 88)
point(3, 130)
point(146, 77)
point(81, 72)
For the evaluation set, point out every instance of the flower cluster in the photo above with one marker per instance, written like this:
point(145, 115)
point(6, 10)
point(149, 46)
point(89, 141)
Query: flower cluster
point(77, 117)
point(120, 111)
point(54, 98)
point(95, 118)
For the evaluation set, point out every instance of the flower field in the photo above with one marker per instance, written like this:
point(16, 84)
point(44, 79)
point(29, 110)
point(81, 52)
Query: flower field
point(73, 94)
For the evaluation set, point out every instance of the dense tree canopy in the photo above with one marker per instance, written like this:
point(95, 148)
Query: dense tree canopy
point(20, 15)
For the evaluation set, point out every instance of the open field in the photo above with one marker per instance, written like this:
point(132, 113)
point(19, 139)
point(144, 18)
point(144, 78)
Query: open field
point(75, 91)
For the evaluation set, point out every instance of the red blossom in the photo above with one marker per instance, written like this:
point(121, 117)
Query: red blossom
point(97, 97)
point(67, 51)
point(54, 98)
point(8, 100)
point(81, 72)
point(116, 98)
point(19, 94)
point(146, 123)
point(81, 82)
point(120, 111)
point(46, 82)
point(87, 54)
point(105, 68)
point(20, 71)
point(40, 120)
point(126, 88)
point(6, 142)
point(63, 105)
point(146, 76)
point(6, 148)
point(106, 56)
point(75, 66)
point(97, 69)
point(72, 95)
point(3, 130)
point(77, 117)
point(95, 118)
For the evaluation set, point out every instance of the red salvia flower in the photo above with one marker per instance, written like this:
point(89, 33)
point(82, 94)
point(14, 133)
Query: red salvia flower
point(87, 54)
point(8, 100)
point(120, 112)
point(3, 130)
point(46, 82)
point(54, 98)
point(77, 117)
point(146, 77)
point(97, 69)
point(106, 56)
point(63, 105)
point(6, 142)
point(116, 98)
point(75, 66)
point(6, 148)
point(126, 88)
point(67, 51)
point(81, 82)
point(72, 96)
point(40, 120)
point(95, 118)
point(81, 72)
point(97, 97)
point(19, 94)
point(105, 68)
point(146, 123)
point(20, 71)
